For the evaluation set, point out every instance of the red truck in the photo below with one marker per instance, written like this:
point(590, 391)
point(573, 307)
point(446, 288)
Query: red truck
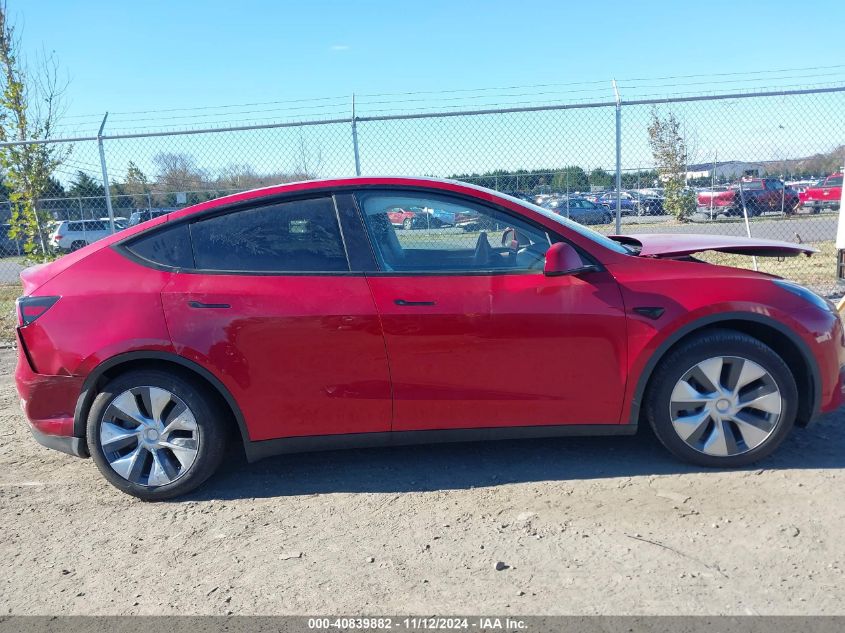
point(825, 194)
point(759, 194)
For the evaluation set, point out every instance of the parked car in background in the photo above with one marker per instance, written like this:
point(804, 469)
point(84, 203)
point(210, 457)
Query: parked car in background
point(120, 223)
point(826, 194)
point(402, 217)
point(584, 211)
point(628, 202)
point(9, 247)
point(760, 195)
point(649, 204)
point(295, 318)
point(142, 215)
point(71, 235)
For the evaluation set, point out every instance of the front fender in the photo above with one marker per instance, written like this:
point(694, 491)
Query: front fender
point(649, 350)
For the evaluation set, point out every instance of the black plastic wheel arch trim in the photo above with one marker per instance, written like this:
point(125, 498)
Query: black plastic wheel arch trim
point(716, 319)
point(89, 390)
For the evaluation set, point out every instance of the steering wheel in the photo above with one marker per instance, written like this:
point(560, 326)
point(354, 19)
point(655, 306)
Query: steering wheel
point(514, 243)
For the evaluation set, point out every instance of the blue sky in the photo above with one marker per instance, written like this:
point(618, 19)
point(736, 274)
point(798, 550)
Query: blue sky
point(135, 59)
point(162, 54)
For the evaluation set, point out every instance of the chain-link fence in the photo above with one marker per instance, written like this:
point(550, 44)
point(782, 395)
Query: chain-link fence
point(763, 164)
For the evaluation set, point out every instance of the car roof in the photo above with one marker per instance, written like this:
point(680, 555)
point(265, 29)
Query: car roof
point(335, 183)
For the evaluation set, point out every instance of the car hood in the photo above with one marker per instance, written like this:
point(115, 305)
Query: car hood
point(680, 244)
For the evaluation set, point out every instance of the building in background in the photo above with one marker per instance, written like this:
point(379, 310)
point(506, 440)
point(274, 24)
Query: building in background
point(725, 170)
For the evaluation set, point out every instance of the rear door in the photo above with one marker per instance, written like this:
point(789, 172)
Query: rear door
point(274, 310)
point(477, 336)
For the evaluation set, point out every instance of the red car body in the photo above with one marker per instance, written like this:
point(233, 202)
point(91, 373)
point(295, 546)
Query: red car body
point(369, 354)
point(760, 194)
point(825, 195)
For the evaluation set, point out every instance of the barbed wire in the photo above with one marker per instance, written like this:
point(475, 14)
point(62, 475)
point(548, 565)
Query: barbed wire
point(499, 95)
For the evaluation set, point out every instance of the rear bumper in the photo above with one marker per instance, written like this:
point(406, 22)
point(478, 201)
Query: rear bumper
point(48, 402)
point(71, 445)
point(822, 204)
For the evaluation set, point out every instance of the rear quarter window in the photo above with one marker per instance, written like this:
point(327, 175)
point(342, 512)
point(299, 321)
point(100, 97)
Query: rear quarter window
point(167, 246)
point(296, 236)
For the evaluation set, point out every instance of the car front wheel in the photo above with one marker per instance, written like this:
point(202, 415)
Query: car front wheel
point(155, 435)
point(722, 399)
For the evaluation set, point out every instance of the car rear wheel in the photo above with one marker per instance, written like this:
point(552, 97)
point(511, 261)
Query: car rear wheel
point(155, 435)
point(75, 246)
point(407, 223)
point(722, 399)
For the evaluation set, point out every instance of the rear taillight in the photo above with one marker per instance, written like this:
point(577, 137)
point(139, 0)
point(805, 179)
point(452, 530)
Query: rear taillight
point(30, 308)
point(57, 237)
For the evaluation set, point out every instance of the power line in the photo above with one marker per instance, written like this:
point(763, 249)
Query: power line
point(733, 81)
point(461, 90)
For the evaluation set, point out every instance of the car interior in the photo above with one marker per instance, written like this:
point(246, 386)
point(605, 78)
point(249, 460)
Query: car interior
point(488, 240)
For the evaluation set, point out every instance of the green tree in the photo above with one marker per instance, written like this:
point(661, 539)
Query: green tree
point(641, 179)
point(85, 187)
point(670, 155)
point(136, 187)
point(30, 107)
point(601, 178)
point(571, 178)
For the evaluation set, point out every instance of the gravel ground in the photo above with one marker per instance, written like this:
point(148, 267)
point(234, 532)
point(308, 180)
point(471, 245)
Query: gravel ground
point(581, 526)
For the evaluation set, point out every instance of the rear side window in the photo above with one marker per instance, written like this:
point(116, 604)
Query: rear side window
point(168, 246)
point(296, 236)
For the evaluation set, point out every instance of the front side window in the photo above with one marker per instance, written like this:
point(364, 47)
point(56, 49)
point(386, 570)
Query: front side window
point(295, 236)
point(447, 234)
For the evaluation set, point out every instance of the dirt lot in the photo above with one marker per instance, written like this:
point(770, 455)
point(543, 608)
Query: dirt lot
point(602, 525)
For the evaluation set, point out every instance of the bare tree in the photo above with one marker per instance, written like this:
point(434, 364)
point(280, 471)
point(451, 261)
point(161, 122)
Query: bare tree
point(309, 162)
point(245, 176)
point(31, 105)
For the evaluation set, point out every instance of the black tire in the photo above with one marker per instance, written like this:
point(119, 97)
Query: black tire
point(212, 432)
point(607, 218)
point(699, 348)
point(75, 246)
point(407, 224)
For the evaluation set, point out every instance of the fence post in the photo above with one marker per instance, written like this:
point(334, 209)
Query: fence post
point(840, 240)
point(355, 139)
point(618, 159)
point(745, 215)
point(105, 172)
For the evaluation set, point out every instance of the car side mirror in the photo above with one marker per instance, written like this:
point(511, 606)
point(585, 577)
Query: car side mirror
point(563, 259)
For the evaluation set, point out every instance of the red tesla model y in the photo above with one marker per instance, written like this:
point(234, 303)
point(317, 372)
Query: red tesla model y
point(301, 317)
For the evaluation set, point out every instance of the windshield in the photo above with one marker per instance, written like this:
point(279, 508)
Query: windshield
point(582, 230)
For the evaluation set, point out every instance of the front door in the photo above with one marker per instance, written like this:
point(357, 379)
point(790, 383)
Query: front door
point(476, 335)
